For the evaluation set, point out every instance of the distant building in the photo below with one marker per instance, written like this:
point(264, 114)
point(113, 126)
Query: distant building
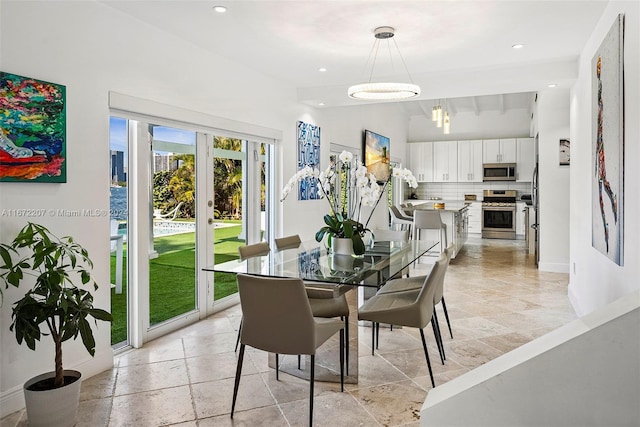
point(165, 162)
point(118, 170)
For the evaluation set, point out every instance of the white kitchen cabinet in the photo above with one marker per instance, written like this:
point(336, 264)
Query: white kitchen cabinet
point(470, 161)
point(499, 150)
point(474, 216)
point(421, 160)
point(445, 161)
point(526, 159)
point(521, 227)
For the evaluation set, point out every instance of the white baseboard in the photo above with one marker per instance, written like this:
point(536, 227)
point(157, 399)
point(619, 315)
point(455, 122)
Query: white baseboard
point(12, 400)
point(554, 267)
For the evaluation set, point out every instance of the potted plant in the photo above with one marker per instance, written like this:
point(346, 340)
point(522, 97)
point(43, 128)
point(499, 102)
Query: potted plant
point(57, 305)
point(344, 234)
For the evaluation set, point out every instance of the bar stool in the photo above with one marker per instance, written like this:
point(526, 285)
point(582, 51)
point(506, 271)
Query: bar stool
point(429, 220)
point(397, 218)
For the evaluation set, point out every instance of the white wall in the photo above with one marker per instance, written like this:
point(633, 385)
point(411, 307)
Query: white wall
point(595, 280)
point(553, 213)
point(343, 126)
point(92, 49)
point(466, 125)
point(586, 373)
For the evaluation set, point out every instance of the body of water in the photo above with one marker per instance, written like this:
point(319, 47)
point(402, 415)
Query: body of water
point(118, 203)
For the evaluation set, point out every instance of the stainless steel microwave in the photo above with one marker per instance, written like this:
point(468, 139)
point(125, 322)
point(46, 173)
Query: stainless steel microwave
point(499, 172)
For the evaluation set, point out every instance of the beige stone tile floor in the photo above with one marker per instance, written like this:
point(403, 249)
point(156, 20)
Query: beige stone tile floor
point(497, 301)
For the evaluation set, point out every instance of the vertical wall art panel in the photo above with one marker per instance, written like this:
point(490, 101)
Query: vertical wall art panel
point(608, 144)
point(32, 130)
point(308, 155)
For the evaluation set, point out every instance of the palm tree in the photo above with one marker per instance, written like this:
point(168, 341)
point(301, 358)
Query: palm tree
point(183, 186)
point(228, 178)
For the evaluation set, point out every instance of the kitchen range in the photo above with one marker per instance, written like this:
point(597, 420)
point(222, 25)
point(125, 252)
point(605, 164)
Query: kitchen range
point(499, 214)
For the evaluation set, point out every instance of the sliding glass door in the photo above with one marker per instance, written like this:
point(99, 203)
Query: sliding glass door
point(240, 193)
point(173, 242)
point(188, 199)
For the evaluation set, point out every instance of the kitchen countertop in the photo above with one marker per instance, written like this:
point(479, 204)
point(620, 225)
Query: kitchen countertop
point(449, 206)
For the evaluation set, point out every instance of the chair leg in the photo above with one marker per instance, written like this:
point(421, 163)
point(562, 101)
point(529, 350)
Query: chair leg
point(277, 367)
point(312, 379)
point(237, 382)
point(426, 353)
point(238, 338)
point(446, 315)
point(346, 338)
point(436, 331)
point(342, 335)
point(373, 337)
point(377, 334)
point(299, 361)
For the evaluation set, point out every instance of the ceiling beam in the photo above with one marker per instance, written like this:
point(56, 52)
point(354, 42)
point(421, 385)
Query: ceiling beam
point(501, 103)
point(425, 110)
point(474, 102)
point(451, 108)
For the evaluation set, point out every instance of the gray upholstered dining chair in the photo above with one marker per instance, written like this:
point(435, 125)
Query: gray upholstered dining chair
point(398, 219)
point(324, 302)
point(410, 309)
point(256, 249)
point(415, 284)
point(245, 252)
point(411, 283)
point(380, 235)
point(288, 242)
point(278, 319)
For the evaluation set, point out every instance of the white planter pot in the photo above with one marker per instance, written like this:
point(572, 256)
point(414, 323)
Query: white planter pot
point(53, 408)
point(342, 246)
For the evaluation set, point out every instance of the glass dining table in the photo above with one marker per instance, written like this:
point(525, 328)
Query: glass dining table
point(357, 277)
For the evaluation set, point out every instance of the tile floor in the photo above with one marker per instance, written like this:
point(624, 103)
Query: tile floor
point(497, 301)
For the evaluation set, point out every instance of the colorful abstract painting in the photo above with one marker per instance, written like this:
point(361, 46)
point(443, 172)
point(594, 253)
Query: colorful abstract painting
point(607, 100)
point(376, 155)
point(308, 136)
point(32, 130)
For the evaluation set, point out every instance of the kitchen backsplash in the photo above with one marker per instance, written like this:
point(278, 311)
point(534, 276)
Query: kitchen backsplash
point(457, 190)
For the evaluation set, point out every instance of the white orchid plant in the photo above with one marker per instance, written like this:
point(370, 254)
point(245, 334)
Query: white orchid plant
point(348, 187)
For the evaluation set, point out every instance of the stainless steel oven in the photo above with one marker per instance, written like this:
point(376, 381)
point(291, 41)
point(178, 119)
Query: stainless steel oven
point(499, 214)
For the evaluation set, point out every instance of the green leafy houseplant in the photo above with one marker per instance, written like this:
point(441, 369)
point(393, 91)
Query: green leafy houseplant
point(340, 227)
point(55, 300)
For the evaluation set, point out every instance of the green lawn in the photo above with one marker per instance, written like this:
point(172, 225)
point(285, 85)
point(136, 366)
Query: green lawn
point(172, 277)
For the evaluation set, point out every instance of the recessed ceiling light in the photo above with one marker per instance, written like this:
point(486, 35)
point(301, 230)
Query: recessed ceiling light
point(321, 104)
point(322, 69)
point(517, 46)
point(552, 85)
point(220, 9)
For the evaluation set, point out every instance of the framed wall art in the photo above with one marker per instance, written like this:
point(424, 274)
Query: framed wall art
point(33, 130)
point(607, 118)
point(308, 137)
point(376, 155)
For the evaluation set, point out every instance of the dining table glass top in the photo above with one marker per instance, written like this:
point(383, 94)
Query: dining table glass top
point(312, 262)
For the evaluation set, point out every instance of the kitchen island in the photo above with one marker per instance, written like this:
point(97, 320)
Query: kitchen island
point(455, 216)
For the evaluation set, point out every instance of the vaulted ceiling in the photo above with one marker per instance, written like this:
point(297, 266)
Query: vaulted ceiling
point(455, 50)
